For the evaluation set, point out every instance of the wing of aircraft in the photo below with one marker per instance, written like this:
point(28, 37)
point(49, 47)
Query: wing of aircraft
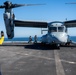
point(71, 23)
point(19, 23)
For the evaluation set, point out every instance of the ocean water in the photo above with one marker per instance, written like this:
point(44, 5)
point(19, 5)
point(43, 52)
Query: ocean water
point(21, 39)
point(73, 38)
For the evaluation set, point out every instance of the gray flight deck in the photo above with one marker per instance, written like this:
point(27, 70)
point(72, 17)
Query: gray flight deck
point(36, 59)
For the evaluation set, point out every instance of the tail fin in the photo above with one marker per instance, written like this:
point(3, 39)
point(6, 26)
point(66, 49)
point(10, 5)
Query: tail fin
point(2, 38)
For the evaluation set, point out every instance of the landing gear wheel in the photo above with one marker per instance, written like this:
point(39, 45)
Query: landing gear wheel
point(68, 44)
point(58, 46)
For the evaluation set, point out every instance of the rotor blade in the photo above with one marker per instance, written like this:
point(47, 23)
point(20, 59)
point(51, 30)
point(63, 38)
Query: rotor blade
point(2, 6)
point(19, 5)
point(33, 4)
point(71, 3)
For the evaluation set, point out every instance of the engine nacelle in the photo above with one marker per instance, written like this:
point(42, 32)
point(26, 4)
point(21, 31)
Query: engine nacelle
point(9, 25)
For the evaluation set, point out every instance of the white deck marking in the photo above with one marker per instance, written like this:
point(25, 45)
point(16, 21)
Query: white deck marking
point(59, 67)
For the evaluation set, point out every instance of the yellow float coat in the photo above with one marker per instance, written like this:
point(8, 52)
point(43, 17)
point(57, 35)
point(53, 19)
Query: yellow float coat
point(1, 40)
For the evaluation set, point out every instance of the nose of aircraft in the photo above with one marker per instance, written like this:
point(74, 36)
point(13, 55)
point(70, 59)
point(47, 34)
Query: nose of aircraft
point(62, 37)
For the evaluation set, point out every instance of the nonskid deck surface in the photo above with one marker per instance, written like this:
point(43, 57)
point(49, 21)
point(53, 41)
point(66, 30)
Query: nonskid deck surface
point(35, 59)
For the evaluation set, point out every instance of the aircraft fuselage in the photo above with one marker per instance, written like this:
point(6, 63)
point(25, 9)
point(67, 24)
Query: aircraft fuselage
point(57, 34)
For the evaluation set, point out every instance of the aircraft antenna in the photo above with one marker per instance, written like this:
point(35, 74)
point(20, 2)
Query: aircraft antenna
point(66, 19)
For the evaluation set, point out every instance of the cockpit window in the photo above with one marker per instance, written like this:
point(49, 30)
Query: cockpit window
point(53, 29)
point(60, 29)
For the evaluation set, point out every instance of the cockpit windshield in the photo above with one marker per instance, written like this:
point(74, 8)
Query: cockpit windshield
point(56, 29)
point(60, 29)
point(53, 29)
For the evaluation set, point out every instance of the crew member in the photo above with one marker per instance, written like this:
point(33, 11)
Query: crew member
point(2, 38)
point(35, 39)
point(30, 39)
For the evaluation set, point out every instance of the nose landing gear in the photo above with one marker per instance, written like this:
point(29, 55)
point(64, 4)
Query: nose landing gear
point(58, 46)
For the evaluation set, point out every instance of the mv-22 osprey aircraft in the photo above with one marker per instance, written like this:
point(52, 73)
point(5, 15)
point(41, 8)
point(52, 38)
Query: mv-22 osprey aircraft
point(57, 31)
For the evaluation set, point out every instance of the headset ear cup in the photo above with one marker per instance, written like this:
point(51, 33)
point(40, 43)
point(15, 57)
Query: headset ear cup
point(2, 33)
